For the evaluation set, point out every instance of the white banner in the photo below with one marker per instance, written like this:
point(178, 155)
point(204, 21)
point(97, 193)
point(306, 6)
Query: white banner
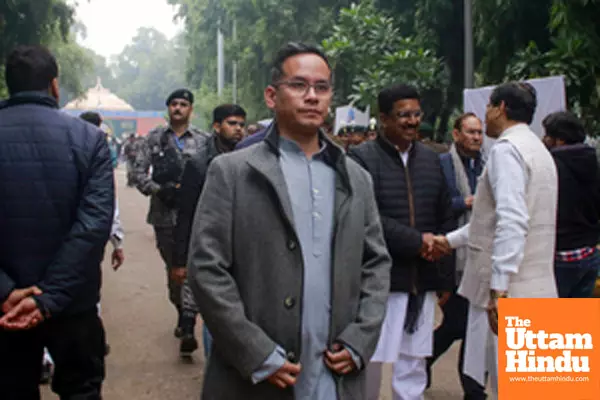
point(551, 97)
point(348, 115)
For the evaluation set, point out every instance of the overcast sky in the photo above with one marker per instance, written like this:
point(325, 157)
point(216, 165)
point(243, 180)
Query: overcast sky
point(111, 24)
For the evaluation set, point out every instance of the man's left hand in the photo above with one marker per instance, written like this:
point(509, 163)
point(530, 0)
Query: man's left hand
point(443, 298)
point(340, 360)
point(117, 258)
point(492, 310)
point(17, 295)
point(26, 315)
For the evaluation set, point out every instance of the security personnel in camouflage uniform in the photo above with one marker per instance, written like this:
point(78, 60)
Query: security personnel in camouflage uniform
point(165, 150)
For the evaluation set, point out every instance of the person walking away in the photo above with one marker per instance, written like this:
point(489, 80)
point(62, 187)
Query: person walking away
point(56, 211)
point(577, 230)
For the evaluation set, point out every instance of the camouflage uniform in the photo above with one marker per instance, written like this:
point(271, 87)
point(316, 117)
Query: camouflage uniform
point(159, 151)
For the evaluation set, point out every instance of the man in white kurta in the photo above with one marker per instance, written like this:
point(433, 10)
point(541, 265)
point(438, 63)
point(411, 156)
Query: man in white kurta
point(511, 235)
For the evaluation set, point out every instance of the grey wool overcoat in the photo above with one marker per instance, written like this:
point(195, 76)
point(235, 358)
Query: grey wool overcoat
point(246, 270)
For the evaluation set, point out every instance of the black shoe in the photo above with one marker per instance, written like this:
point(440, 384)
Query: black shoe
point(188, 345)
point(178, 332)
point(46, 373)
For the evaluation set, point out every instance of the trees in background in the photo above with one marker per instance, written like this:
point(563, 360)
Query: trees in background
point(376, 42)
point(372, 43)
point(45, 22)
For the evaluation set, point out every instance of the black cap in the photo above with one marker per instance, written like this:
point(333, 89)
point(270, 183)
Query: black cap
point(183, 94)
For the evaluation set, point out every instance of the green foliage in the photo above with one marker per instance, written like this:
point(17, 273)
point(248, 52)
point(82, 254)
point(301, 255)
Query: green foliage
point(574, 52)
point(74, 62)
point(368, 45)
point(263, 26)
point(148, 69)
point(43, 22)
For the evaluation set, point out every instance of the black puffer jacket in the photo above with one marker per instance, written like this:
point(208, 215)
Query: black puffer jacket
point(56, 203)
point(411, 202)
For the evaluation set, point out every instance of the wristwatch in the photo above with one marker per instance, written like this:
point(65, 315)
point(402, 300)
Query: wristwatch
point(496, 294)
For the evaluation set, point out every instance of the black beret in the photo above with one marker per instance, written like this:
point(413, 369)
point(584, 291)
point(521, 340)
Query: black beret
point(183, 94)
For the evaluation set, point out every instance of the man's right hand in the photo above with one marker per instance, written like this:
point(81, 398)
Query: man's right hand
point(469, 202)
point(17, 295)
point(178, 274)
point(286, 375)
point(427, 248)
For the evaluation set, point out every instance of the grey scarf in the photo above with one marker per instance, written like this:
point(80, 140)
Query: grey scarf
point(462, 184)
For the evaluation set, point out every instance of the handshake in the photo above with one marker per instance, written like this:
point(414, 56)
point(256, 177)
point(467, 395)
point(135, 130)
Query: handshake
point(434, 247)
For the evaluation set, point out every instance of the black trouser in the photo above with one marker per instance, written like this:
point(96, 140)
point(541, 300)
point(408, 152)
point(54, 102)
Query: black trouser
point(77, 346)
point(165, 242)
point(453, 328)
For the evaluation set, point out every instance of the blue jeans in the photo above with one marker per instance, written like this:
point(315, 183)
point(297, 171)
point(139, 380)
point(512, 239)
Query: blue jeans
point(577, 279)
point(207, 342)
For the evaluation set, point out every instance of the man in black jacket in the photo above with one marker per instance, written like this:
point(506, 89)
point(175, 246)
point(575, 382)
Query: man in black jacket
point(577, 260)
point(414, 203)
point(229, 121)
point(56, 211)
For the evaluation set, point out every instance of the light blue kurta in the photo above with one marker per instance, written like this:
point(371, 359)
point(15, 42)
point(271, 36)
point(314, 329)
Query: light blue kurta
point(311, 188)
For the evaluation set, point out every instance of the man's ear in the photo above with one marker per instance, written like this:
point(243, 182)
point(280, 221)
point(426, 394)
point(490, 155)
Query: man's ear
point(383, 119)
point(270, 97)
point(216, 127)
point(455, 134)
point(54, 89)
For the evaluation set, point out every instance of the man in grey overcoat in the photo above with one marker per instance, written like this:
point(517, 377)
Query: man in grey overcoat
point(287, 258)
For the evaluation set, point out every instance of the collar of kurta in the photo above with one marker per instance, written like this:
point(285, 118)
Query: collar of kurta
point(514, 129)
point(333, 155)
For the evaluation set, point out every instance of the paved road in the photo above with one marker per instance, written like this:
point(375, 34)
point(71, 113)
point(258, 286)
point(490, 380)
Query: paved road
point(144, 362)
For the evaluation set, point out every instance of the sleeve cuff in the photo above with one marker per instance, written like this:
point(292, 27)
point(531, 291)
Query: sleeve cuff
point(116, 242)
point(6, 287)
point(500, 282)
point(355, 357)
point(459, 237)
point(271, 365)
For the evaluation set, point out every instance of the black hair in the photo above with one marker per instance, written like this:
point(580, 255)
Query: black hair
point(388, 96)
point(30, 68)
point(92, 117)
point(566, 126)
point(290, 50)
point(459, 121)
point(225, 111)
point(520, 99)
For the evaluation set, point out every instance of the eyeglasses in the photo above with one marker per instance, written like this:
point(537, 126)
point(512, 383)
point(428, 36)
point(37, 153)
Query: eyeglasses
point(301, 88)
point(410, 114)
point(236, 123)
